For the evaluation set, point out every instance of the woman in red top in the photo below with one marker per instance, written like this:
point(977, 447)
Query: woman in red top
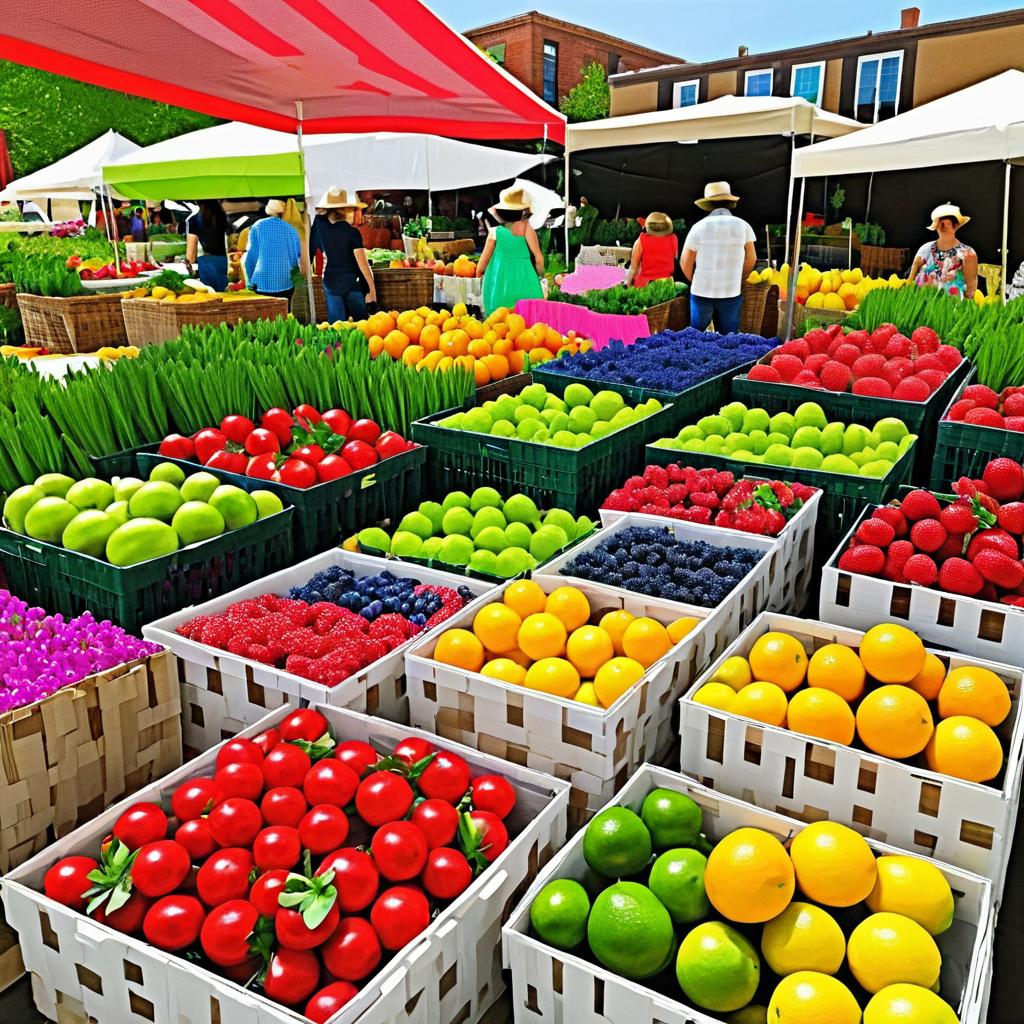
point(654, 252)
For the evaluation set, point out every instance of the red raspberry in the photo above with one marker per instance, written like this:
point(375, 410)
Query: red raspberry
point(865, 559)
point(921, 569)
point(949, 357)
point(958, 576)
point(764, 372)
point(928, 535)
point(912, 389)
point(1004, 479)
point(875, 531)
point(920, 505)
point(656, 476)
point(619, 501)
point(835, 376)
point(634, 483)
point(999, 569)
point(787, 367)
point(817, 340)
point(981, 395)
point(872, 387)
point(958, 410)
point(959, 518)
point(806, 379)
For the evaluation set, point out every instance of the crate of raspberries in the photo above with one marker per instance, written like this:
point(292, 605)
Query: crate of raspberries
point(948, 564)
point(320, 862)
point(329, 630)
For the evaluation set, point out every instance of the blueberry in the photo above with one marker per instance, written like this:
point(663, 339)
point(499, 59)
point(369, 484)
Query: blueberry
point(405, 608)
point(419, 620)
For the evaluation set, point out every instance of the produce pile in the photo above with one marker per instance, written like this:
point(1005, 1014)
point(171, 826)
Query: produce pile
point(982, 407)
point(311, 869)
point(672, 361)
point(804, 439)
point(41, 653)
point(836, 290)
point(623, 300)
point(107, 352)
point(803, 930)
point(554, 643)
point(97, 268)
point(967, 543)
point(884, 693)
point(711, 496)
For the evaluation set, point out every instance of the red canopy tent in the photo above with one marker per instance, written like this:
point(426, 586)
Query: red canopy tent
point(322, 65)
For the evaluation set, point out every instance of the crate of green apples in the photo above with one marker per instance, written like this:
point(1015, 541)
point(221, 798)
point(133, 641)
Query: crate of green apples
point(131, 550)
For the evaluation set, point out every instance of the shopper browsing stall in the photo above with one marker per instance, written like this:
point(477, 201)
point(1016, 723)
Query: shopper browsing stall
point(947, 263)
point(274, 251)
point(512, 263)
point(654, 253)
point(208, 229)
point(348, 279)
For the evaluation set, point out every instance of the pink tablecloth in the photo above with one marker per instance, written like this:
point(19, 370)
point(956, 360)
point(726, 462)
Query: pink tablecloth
point(587, 278)
point(599, 327)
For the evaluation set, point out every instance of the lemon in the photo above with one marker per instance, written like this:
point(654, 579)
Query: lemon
point(809, 997)
point(682, 627)
point(553, 675)
point(779, 658)
point(570, 606)
point(614, 624)
point(914, 888)
point(542, 635)
point(834, 865)
point(734, 672)
point(803, 938)
point(615, 677)
point(497, 627)
point(764, 702)
point(885, 949)
point(715, 695)
point(588, 648)
point(908, 1004)
point(506, 670)
point(525, 597)
point(586, 694)
point(646, 640)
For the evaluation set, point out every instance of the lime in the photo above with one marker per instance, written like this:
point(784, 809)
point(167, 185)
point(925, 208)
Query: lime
point(832, 438)
point(782, 423)
point(119, 511)
point(807, 458)
point(756, 419)
point(169, 472)
point(891, 429)
point(195, 521)
point(605, 404)
point(521, 509)
point(559, 913)
point(674, 819)
point(803, 938)
point(405, 544)
point(518, 535)
point(752, 1014)
point(433, 511)
point(457, 520)
point(807, 437)
point(126, 486)
point(486, 497)
point(534, 394)
point(90, 493)
point(810, 414)
point(839, 464)
point(757, 442)
point(527, 430)
point(236, 506)
point(855, 439)
point(373, 538)
point(696, 432)
point(617, 843)
point(677, 879)
point(734, 412)
point(581, 419)
point(431, 546)
point(200, 487)
point(778, 455)
point(526, 412)
point(483, 561)
point(485, 517)
point(717, 968)
point(547, 542)
point(491, 538)
point(513, 561)
point(456, 550)
point(629, 931)
point(708, 425)
point(564, 520)
point(417, 523)
point(577, 394)
point(18, 503)
point(455, 499)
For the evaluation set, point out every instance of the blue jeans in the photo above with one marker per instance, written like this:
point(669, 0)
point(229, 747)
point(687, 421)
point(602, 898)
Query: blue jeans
point(726, 313)
point(213, 270)
point(344, 304)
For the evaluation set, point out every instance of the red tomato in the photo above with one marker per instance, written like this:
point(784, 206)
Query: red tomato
point(445, 778)
point(338, 420)
point(307, 413)
point(142, 823)
point(195, 836)
point(235, 822)
point(353, 951)
point(399, 851)
point(437, 820)
point(297, 473)
point(311, 453)
point(390, 443)
point(236, 428)
point(262, 442)
point(324, 828)
point(363, 430)
point(225, 876)
point(399, 915)
point(239, 749)
point(66, 882)
point(292, 976)
point(229, 462)
point(207, 442)
point(303, 724)
point(127, 918)
point(241, 779)
point(359, 756)
point(359, 455)
point(195, 798)
point(328, 1001)
point(292, 932)
point(226, 932)
point(266, 741)
point(285, 765)
point(174, 922)
point(493, 834)
point(283, 805)
point(280, 422)
point(243, 973)
point(355, 878)
point(265, 890)
point(447, 874)
point(160, 867)
point(330, 782)
point(174, 446)
point(495, 794)
point(261, 467)
point(413, 749)
point(277, 847)
point(332, 467)
point(383, 797)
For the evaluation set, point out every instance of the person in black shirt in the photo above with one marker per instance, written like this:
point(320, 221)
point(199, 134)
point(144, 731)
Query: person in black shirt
point(209, 228)
point(348, 279)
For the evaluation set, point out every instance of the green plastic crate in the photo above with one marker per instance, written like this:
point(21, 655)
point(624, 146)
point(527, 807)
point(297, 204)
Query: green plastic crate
point(577, 480)
point(120, 463)
point(131, 596)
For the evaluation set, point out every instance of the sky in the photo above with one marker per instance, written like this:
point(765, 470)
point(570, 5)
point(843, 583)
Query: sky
point(700, 30)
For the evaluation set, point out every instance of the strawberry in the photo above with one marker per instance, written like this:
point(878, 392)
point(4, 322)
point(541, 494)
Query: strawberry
point(953, 548)
point(897, 347)
point(807, 379)
point(929, 361)
point(787, 367)
point(894, 517)
point(958, 410)
point(982, 417)
point(872, 387)
point(921, 569)
point(928, 535)
point(815, 362)
point(933, 378)
point(925, 339)
point(959, 518)
point(981, 396)
point(998, 539)
point(920, 505)
point(949, 357)
point(817, 340)
point(1013, 405)
point(988, 592)
point(869, 366)
point(865, 559)
point(1014, 423)
point(764, 372)
point(797, 347)
point(835, 376)
point(998, 568)
point(1016, 602)
point(875, 531)
point(1004, 479)
point(1011, 517)
point(846, 353)
point(912, 389)
point(958, 576)
point(896, 558)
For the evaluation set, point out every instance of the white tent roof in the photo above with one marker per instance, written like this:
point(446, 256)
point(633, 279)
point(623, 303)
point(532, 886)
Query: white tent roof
point(729, 117)
point(982, 122)
point(75, 175)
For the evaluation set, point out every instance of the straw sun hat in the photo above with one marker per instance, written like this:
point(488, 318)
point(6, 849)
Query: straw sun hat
point(275, 208)
point(338, 199)
point(658, 224)
point(947, 210)
point(716, 192)
point(513, 199)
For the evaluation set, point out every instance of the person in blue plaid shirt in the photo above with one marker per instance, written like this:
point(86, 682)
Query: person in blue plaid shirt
point(274, 251)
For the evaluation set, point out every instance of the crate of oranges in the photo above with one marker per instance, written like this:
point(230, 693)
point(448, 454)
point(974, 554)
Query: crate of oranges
point(678, 905)
point(919, 748)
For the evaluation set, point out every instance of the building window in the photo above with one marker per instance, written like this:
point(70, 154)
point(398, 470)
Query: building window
point(497, 53)
point(758, 83)
point(879, 76)
point(685, 94)
point(808, 81)
point(613, 64)
point(550, 72)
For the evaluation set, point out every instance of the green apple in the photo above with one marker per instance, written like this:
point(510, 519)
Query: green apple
point(236, 506)
point(169, 472)
point(18, 503)
point(155, 500)
point(195, 521)
point(267, 503)
point(54, 485)
point(46, 519)
point(88, 532)
point(90, 493)
point(125, 487)
point(199, 487)
point(139, 540)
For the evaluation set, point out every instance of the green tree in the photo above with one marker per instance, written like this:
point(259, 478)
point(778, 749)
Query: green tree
point(590, 99)
point(48, 116)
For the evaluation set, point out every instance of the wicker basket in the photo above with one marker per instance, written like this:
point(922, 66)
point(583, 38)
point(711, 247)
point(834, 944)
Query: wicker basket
point(80, 323)
point(876, 260)
point(150, 322)
point(754, 298)
point(673, 315)
point(300, 302)
point(8, 296)
point(817, 317)
point(400, 288)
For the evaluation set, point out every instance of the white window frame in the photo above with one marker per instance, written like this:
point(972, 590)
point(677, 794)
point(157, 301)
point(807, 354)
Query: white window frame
point(902, 54)
point(820, 65)
point(677, 88)
point(760, 71)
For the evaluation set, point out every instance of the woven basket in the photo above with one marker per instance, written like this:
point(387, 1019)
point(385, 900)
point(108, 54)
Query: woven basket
point(149, 322)
point(8, 296)
point(80, 323)
point(300, 302)
point(673, 315)
point(754, 298)
point(876, 260)
point(400, 288)
point(817, 317)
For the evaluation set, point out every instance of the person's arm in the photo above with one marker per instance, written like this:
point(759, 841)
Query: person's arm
point(534, 244)
point(634, 262)
point(364, 268)
point(688, 262)
point(299, 255)
point(915, 267)
point(485, 256)
point(749, 259)
point(252, 255)
point(191, 249)
point(970, 274)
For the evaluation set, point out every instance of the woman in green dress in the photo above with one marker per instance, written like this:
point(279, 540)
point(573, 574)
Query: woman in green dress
point(511, 263)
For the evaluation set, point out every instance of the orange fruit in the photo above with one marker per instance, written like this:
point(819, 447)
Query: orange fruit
point(481, 375)
point(976, 692)
point(749, 877)
point(614, 678)
point(497, 366)
point(430, 337)
point(497, 627)
point(479, 348)
point(821, 713)
point(764, 702)
point(553, 675)
point(837, 667)
point(516, 325)
point(553, 341)
point(506, 670)
point(894, 721)
point(376, 346)
point(396, 343)
point(518, 657)
point(780, 659)
point(501, 332)
point(525, 598)
point(412, 327)
point(460, 648)
point(542, 635)
point(646, 640)
point(570, 606)
point(473, 328)
point(444, 364)
point(966, 749)
point(892, 653)
point(614, 624)
point(526, 341)
point(834, 865)
point(588, 648)
point(413, 354)
point(516, 361)
point(540, 355)
point(716, 695)
point(681, 628)
point(929, 680)
point(499, 316)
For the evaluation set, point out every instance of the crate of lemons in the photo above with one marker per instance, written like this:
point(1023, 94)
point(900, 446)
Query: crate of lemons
point(812, 929)
point(835, 290)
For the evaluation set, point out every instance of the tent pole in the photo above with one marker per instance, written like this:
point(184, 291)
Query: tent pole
point(309, 220)
point(565, 215)
point(113, 229)
point(1006, 228)
point(789, 198)
point(791, 280)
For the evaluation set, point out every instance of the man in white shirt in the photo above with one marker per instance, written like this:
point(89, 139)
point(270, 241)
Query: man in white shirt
point(718, 254)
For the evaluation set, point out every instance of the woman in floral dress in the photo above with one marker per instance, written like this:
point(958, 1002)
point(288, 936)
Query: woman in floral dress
point(947, 263)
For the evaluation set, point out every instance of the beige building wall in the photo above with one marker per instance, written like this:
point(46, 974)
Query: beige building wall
point(721, 83)
point(833, 84)
point(634, 99)
point(948, 63)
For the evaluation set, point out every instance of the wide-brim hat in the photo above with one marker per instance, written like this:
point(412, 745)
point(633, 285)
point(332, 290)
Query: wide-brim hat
point(716, 192)
point(338, 199)
point(947, 210)
point(275, 208)
point(658, 224)
point(513, 199)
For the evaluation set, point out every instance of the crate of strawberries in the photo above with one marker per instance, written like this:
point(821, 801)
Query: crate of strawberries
point(949, 565)
point(281, 877)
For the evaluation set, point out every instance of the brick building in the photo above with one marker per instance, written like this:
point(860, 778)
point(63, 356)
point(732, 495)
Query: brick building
point(547, 55)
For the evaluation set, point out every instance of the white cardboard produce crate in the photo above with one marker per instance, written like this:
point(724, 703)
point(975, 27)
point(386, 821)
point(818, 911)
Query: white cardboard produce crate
point(966, 824)
point(791, 562)
point(86, 971)
point(986, 629)
point(222, 692)
point(550, 986)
